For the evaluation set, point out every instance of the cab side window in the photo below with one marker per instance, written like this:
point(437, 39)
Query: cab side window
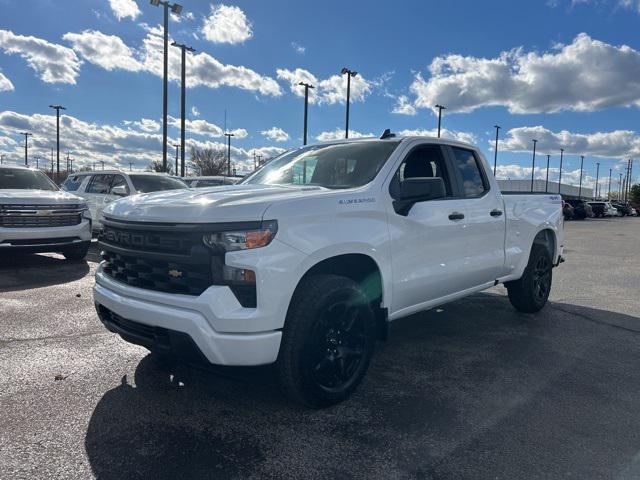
point(426, 161)
point(117, 181)
point(473, 182)
point(100, 184)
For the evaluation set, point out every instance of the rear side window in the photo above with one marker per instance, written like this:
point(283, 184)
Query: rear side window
point(117, 181)
point(425, 161)
point(473, 183)
point(72, 183)
point(100, 184)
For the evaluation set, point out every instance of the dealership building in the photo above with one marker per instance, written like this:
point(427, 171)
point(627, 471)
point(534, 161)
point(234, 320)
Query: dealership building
point(567, 191)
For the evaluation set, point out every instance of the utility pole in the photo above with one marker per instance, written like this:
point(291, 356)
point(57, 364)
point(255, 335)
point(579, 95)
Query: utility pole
point(184, 49)
point(533, 164)
point(546, 183)
point(440, 108)
point(349, 74)
point(620, 188)
point(71, 165)
point(57, 108)
point(68, 162)
point(307, 86)
point(176, 9)
point(102, 162)
point(560, 176)
point(2, 158)
point(26, 146)
point(630, 176)
point(177, 145)
point(595, 194)
point(580, 188)
point(609, 188)
point(130, 165)
point(495, 150)
point(228, 135)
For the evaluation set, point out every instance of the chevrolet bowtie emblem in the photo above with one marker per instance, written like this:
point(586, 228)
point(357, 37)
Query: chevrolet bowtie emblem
point(175, 273)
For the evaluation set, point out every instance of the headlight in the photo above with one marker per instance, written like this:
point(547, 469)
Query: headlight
point(242, 239)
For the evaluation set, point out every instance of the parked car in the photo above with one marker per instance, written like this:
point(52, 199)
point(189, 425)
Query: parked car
point(632, 211)
point(103, 187)
point(611, 211)
point(211, 181)
point(599, 209)
point(624, 209)
point(305, 262)
point(36, 216)
point(567, 210)
point(581, 209)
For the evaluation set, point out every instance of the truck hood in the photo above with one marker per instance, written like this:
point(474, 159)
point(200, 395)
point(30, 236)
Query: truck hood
point(231, 203)
point(38, 197)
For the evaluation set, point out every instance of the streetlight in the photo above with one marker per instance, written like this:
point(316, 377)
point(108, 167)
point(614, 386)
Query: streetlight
point(580, 188)
point(57, 108)
point(130, 165)
point(595, 196)
point(26, 146)
point(440, 108)
point(533, 165)
point(349, 74)
point(177, 145)
point(229, 135)
point(495, 152)
point(307, 86)
point(560, 176)
point(2, 158)
point(546, 183)
point(620, 187)
point(609, 188)
point(184, 49)
point(102, 162)
point(175, 8)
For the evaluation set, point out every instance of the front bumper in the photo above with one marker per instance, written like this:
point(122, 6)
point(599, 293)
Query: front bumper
point(169, 320)
point(44, 239)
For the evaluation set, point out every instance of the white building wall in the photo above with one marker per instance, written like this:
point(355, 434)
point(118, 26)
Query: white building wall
point(539, 186)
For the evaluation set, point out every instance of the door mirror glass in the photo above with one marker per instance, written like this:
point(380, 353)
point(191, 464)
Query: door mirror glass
point(418, 189)
point(119, 190)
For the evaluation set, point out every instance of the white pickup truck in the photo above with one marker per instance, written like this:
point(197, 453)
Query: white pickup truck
point(36, 216)
point(307, 260)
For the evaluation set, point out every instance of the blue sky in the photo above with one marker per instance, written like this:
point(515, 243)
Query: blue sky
point(564, 72)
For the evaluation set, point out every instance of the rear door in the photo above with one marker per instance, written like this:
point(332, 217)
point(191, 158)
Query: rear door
point(485, 218)
point(97, 189)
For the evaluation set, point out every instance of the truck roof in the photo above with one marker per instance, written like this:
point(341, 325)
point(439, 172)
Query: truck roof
point(395, 138)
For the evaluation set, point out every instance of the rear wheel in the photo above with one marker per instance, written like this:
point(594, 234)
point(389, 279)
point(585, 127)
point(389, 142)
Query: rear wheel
point(531, 292)
point(327, 342)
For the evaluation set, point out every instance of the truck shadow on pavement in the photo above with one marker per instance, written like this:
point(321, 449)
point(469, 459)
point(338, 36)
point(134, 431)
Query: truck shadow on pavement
point(470, 390)
point(22, 272)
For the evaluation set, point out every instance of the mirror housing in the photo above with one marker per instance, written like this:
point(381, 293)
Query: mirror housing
point(419, 189)
point(119, 190)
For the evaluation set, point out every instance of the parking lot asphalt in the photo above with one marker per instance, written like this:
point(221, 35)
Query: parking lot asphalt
point(470, 390)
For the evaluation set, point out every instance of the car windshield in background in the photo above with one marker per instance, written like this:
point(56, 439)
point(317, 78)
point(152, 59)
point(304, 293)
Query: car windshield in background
point(23, 179)
point(155, 183)
point(341, 165)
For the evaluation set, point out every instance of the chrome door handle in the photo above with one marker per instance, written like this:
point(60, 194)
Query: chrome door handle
point(495, 212)
point(456, 216)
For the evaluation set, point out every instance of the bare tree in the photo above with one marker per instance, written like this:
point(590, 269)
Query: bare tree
point(156, 166)
point(209, 161)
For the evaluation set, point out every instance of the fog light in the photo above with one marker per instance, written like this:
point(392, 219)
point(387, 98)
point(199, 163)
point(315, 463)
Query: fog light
point(238, 275)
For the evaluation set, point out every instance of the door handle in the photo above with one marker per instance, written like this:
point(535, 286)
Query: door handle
point(495, 212)
point(456, 216)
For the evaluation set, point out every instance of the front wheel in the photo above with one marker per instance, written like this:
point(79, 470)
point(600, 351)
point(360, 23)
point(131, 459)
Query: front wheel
point(531, 292)
point(327, 341)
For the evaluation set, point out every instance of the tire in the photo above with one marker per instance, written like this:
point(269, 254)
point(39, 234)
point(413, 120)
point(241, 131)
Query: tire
point(76, 254)
point(327, 342)
point(530, 293)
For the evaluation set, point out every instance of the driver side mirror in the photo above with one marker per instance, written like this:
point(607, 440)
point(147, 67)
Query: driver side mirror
point(119, 190)
point(414, 190)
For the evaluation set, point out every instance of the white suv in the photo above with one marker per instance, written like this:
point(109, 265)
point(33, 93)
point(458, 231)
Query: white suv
point(35, 216)
point(101, 188)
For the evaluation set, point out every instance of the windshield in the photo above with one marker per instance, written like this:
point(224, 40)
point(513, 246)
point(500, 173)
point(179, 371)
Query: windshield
point(23, 179)
point(342, 165)
point(155, 183)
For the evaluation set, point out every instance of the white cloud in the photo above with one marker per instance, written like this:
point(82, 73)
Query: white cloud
point(146, 125)
point(466, 137)
point(125, 8)
point(226, 24)
point(585, 75)
point(298, 48)
point(276, 134)
point(106, 51)
point(614, 144)
point(53, 63)
point(338, 134)
point(5, 84)
point(330, 90)
point(204, 128)
point(404, 107)
point(111, 53)
point(195, 112)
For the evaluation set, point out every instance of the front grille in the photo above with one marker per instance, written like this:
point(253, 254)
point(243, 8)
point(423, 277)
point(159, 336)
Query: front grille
point(158, 274)
point(35, 216)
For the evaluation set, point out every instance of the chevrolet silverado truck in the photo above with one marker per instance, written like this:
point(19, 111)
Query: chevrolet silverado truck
point(305, 262)
point(36, 216)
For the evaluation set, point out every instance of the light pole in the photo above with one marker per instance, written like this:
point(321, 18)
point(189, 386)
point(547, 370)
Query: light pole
point(130, 165)
point(546, 183)
point(609, 188)
point(307, 86)
point(533, 164)
point(177, 145)
point(102, 162)
point(620, 187)
point(184, 49)
point(440, 108)
point(26, 146)
point(580, 187)
point(228, 135)
point(560, 176)
point(349, 74)
point(57, 108)
point(2, 159)
point(595, 195)
point(495, 150)
point(175, 8)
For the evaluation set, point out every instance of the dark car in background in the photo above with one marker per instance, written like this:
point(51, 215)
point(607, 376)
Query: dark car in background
point(599, 209)
point(581, 209)
point(623, 208)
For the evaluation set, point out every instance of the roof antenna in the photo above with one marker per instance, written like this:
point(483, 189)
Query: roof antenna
point(387, 134)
